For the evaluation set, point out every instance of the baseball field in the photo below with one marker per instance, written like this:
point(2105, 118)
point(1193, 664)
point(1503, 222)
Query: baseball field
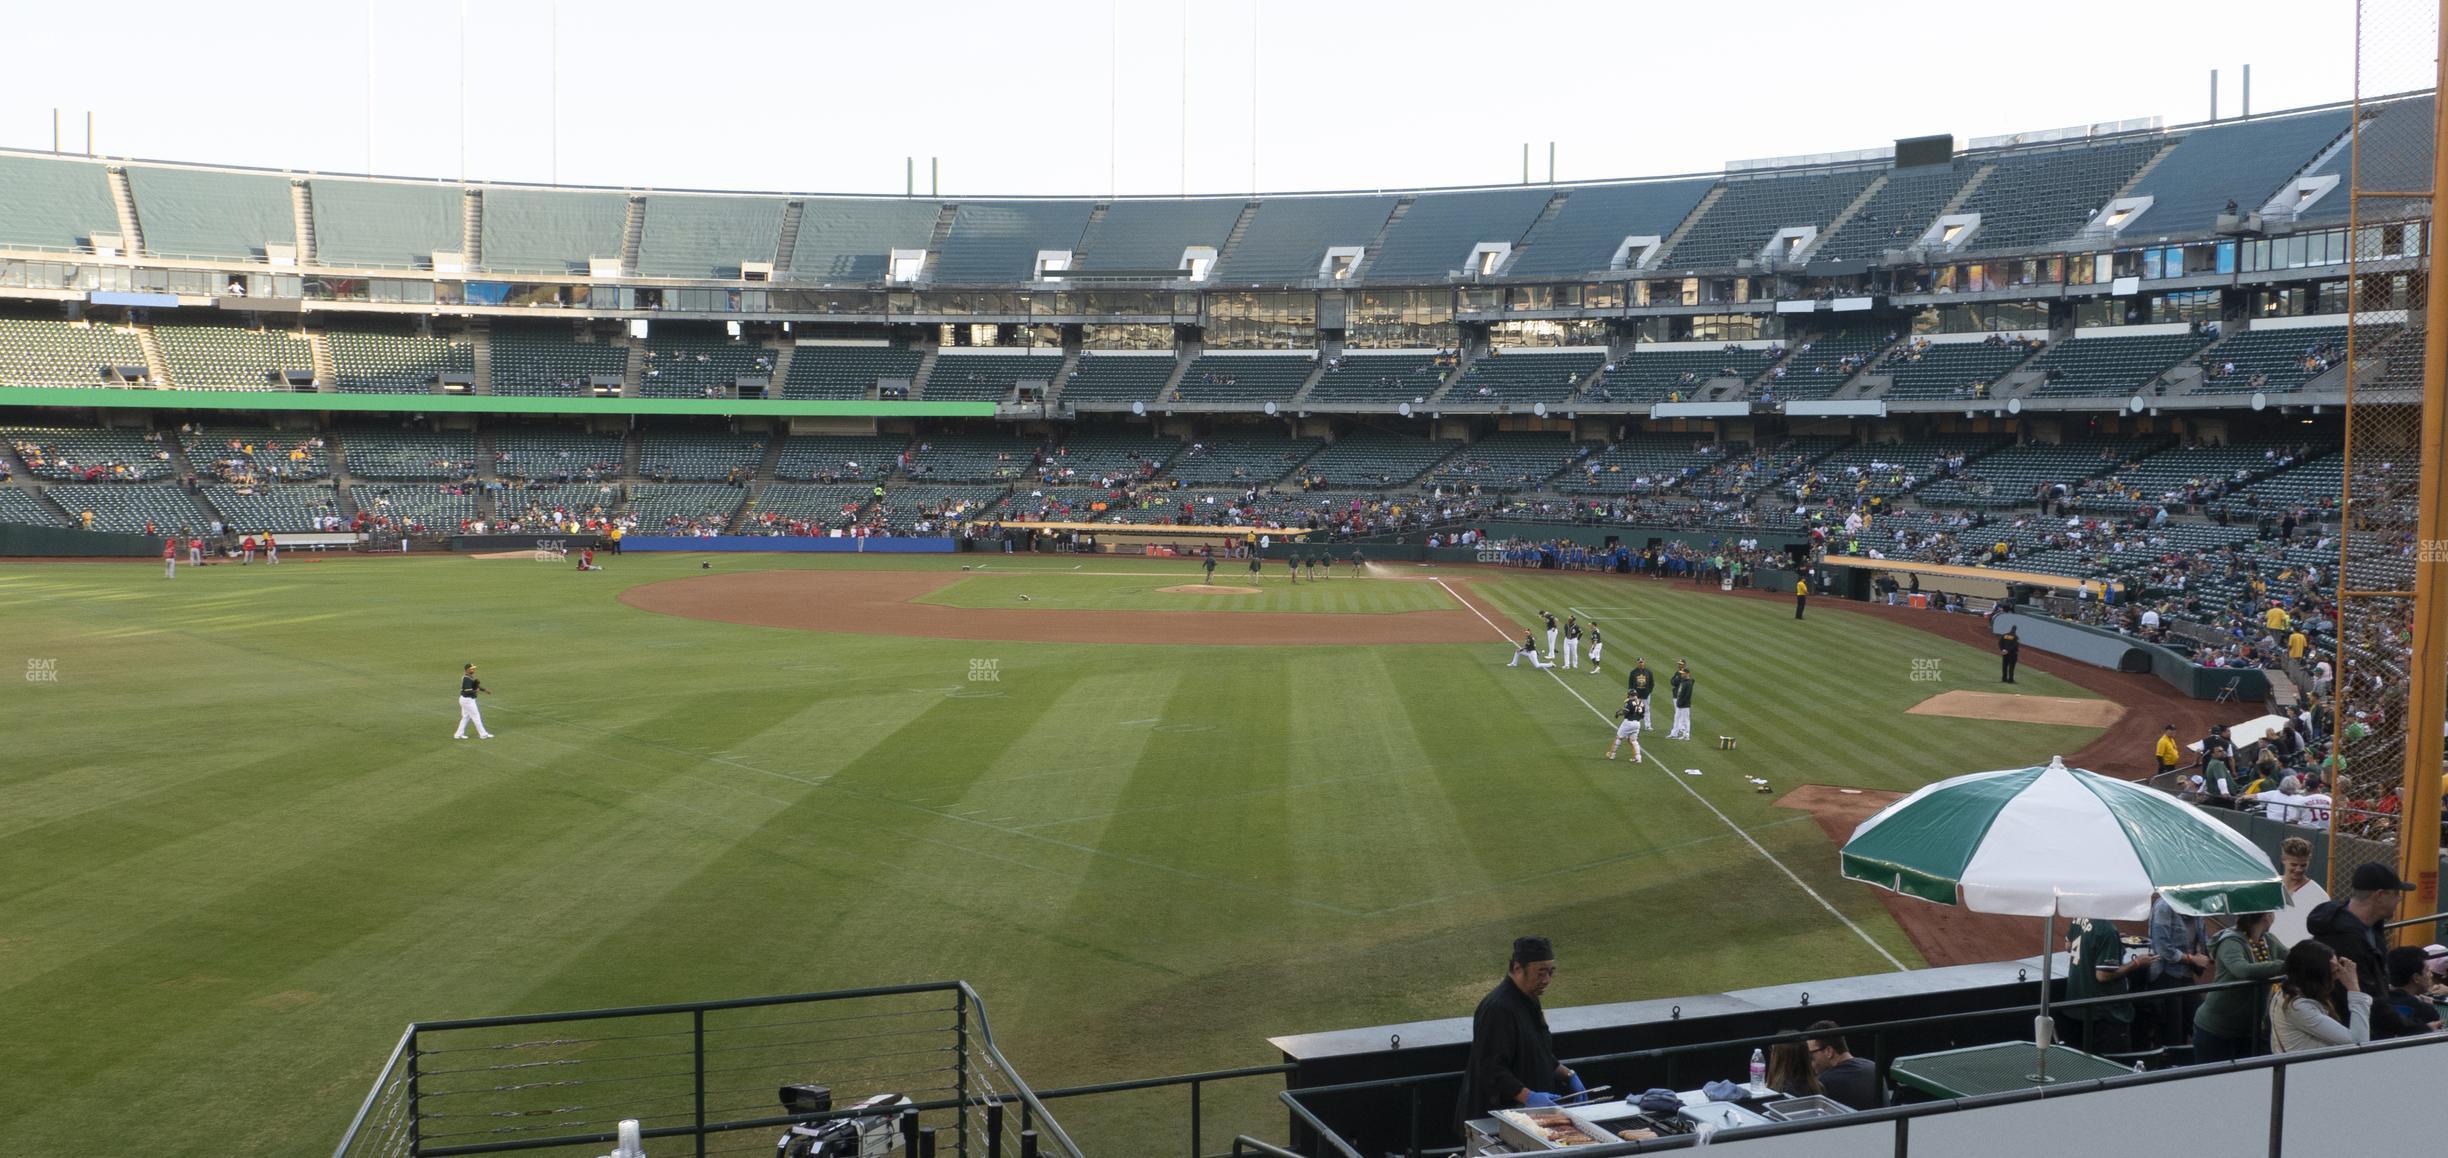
point(239, 849)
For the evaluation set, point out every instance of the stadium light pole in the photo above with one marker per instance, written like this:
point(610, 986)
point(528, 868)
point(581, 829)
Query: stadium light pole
point(2418, 837)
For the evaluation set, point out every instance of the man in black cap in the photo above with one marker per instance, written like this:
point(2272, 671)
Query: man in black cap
point(1510, 1045)
point(1640, 685)
point(2010, 650)
point(2351, 925)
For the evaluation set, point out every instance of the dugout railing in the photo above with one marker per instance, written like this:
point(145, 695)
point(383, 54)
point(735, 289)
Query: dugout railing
point(1410, 1115)
point(705, 1078)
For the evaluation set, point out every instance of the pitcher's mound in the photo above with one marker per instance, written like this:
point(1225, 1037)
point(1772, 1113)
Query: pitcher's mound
point(1207, 589)
point(2020, 709)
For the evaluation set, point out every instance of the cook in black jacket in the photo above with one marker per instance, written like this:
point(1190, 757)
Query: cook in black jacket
point(1512, 1054)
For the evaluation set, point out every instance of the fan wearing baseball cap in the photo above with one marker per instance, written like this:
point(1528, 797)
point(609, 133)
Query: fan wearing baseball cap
point(2351, 926)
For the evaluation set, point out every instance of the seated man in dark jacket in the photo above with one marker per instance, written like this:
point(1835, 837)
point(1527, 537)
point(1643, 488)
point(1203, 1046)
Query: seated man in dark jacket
point(2351, 925)
point(1848, 1079)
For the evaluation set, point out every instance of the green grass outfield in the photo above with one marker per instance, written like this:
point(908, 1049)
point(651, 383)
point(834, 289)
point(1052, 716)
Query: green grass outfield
point(1096, 587)
point(238, 849)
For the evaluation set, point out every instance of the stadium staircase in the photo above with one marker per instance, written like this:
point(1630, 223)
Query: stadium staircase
point(123, 198)
point(792, 210)
point(1463, 359)
point(480, 345)
point(1316, 372)
point(1096, 219)
point(1232, 240)
point(635, 371)
point(782, 355)
point(925, 371)
point(2135, 182)
point(766, 471)
point(1962, 196)
point(157, 368)
point(1845, 217)
point(1188, 353)
point(487, 470)
point(326, 371)
point(1062, 375)
point(632, 445)
point(1547, 215)
point(1691, 220)
point(633, 233)
point(338, 454)
point(944, 216)
point(1368, 255)
point(301, 217)
point(182, 467)
point(471, 229)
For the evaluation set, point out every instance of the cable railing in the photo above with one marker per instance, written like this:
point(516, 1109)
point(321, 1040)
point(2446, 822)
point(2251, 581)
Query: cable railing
point(917, 1061)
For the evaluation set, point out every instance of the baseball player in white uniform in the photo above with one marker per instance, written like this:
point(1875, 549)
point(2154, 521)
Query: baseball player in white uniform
point(1572, 643)
point(1597, 647)
point(1529, 649)
point(469, 713)
point(1628, 727)
point(1551, 633)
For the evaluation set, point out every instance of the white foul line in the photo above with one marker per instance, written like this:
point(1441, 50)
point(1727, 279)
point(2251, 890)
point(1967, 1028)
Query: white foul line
point(1704, 802)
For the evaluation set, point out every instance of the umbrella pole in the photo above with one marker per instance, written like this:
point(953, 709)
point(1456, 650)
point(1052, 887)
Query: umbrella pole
point(2044, 1030)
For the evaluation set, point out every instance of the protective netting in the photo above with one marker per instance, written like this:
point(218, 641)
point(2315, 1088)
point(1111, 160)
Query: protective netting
point(2388, 179)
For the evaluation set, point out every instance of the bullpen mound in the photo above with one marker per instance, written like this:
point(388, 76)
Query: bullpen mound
point(2020, 709)
point(879, 603)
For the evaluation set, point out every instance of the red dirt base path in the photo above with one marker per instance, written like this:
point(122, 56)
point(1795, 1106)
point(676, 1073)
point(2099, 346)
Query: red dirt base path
point(879, 603)
point(1945, 935)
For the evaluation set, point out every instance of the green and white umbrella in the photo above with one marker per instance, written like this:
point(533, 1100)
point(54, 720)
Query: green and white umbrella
point(2059, 841)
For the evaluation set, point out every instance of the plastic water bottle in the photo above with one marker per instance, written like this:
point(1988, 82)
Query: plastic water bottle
point(1759, 1071)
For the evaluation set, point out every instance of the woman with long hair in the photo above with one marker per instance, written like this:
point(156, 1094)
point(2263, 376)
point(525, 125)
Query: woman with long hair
point(2321, 1002)
point(1789, 1069)
point(2244, 951)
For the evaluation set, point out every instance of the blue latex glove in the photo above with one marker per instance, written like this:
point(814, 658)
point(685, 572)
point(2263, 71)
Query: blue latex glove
point(1538, 1101)
point(1577, 1086)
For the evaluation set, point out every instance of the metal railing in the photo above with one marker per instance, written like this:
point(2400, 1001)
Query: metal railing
point(1196, 1082)
point(703, 1071)
point(1666, 1066)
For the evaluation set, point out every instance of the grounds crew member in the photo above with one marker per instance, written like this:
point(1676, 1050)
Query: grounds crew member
point(1512, 1053)
point(2010, 649)
point(1801, 595)
point(2168, 753)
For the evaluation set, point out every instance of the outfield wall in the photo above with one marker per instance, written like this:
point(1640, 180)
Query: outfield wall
point(20, 540)
point(791, 544)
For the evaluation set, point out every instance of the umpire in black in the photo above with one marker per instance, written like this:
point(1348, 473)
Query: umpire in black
point(2010, 651)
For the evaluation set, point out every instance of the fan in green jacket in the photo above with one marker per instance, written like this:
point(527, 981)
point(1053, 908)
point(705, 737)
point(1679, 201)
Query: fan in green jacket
point(2228, 1024)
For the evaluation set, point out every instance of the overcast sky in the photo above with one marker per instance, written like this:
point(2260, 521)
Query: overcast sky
point(1087, 96)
